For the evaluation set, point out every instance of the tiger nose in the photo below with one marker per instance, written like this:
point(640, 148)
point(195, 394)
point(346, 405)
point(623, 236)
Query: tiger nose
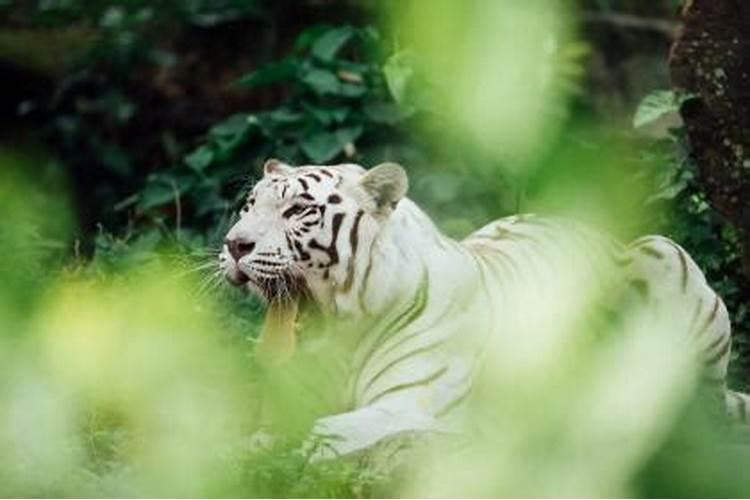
point(238, 248)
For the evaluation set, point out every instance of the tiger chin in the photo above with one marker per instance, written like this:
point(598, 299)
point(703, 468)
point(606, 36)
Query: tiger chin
point(348, 241)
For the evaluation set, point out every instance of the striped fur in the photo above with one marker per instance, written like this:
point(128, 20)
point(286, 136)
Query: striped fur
point(419, 307)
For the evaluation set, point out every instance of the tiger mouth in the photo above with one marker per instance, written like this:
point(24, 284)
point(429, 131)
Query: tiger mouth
point(278, 336)
point(283, 294)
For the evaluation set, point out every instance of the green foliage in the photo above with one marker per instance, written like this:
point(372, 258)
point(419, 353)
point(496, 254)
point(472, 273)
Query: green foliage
point(338, 98)
point(656, 105)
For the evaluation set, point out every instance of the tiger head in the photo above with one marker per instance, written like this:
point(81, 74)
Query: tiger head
point(301, 230)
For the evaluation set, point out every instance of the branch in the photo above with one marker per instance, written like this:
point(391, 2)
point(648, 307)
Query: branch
point(665, 27)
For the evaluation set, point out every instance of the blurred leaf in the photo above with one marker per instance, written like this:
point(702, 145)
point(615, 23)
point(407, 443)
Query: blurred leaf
point(398, 71)
point(323, 146)
point(328, 45)
point(112, 157)
point(352, 90)
point(269, 74)
point(199, 159)
point(656, 105)
point(387, 113)
point(285, 116)
point(162, 189)
point(327, 115)
point(321, 81)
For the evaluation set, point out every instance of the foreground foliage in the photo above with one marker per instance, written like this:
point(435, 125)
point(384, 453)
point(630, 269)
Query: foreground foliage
point(129, 371)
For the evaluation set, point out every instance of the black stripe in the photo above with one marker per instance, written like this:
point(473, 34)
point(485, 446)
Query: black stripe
point(401, 358)
point(354, 234)
point(307, 212)
point(365, 279)
point(353, 242)
point(303, 182)
point(303, 255)
point(289, 244)
point(403, 340)
point(710, 318)
point(646, 250)
point(415, 309)
point(683, 265)
point(314, 176)
point(326, 172)
point(453, 404)
point(409, 385)
point(306, 196)
point(503, 233)
point(331, 250)
point(715, 343)
point(722, 352)
point(696, 313)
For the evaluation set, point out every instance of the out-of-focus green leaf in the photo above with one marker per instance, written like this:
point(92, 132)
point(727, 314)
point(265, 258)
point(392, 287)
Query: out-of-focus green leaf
point(328, 45)
point(656, 105)
point(163, 189)
point(386, 113)
point(285, 116)
point(352, 90)
point(235, 124)
point(398, 71)
point(269, 74)
point(323, 146)
point(321, 81)
point(199, 159)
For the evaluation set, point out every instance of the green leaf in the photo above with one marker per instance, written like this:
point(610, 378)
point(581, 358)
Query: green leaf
point(112, 157)
point(328, 45)
point(322, 81)
point(285, 116)
point(349, 134)
point(200, 158)
point(352, 90)
point(269, 74)
point(236, 124)
point(656, 105)
point(163, 189)
point(399, 71)
point(323, 146)
point(386, 113)
point(155, 195)
point(322, 115)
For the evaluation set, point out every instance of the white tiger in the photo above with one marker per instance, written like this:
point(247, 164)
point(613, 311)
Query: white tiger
point(348, 239)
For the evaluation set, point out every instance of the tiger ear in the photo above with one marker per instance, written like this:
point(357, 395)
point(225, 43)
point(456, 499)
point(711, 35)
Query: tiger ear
point(273, 166)
point(385, 185)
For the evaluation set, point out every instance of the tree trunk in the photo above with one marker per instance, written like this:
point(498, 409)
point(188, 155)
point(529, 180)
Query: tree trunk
point(711, 61)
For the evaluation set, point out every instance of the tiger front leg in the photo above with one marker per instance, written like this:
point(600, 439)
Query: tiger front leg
point(346, 434)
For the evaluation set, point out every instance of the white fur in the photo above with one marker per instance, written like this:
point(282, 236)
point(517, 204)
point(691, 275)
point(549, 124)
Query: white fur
point(401, 256)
